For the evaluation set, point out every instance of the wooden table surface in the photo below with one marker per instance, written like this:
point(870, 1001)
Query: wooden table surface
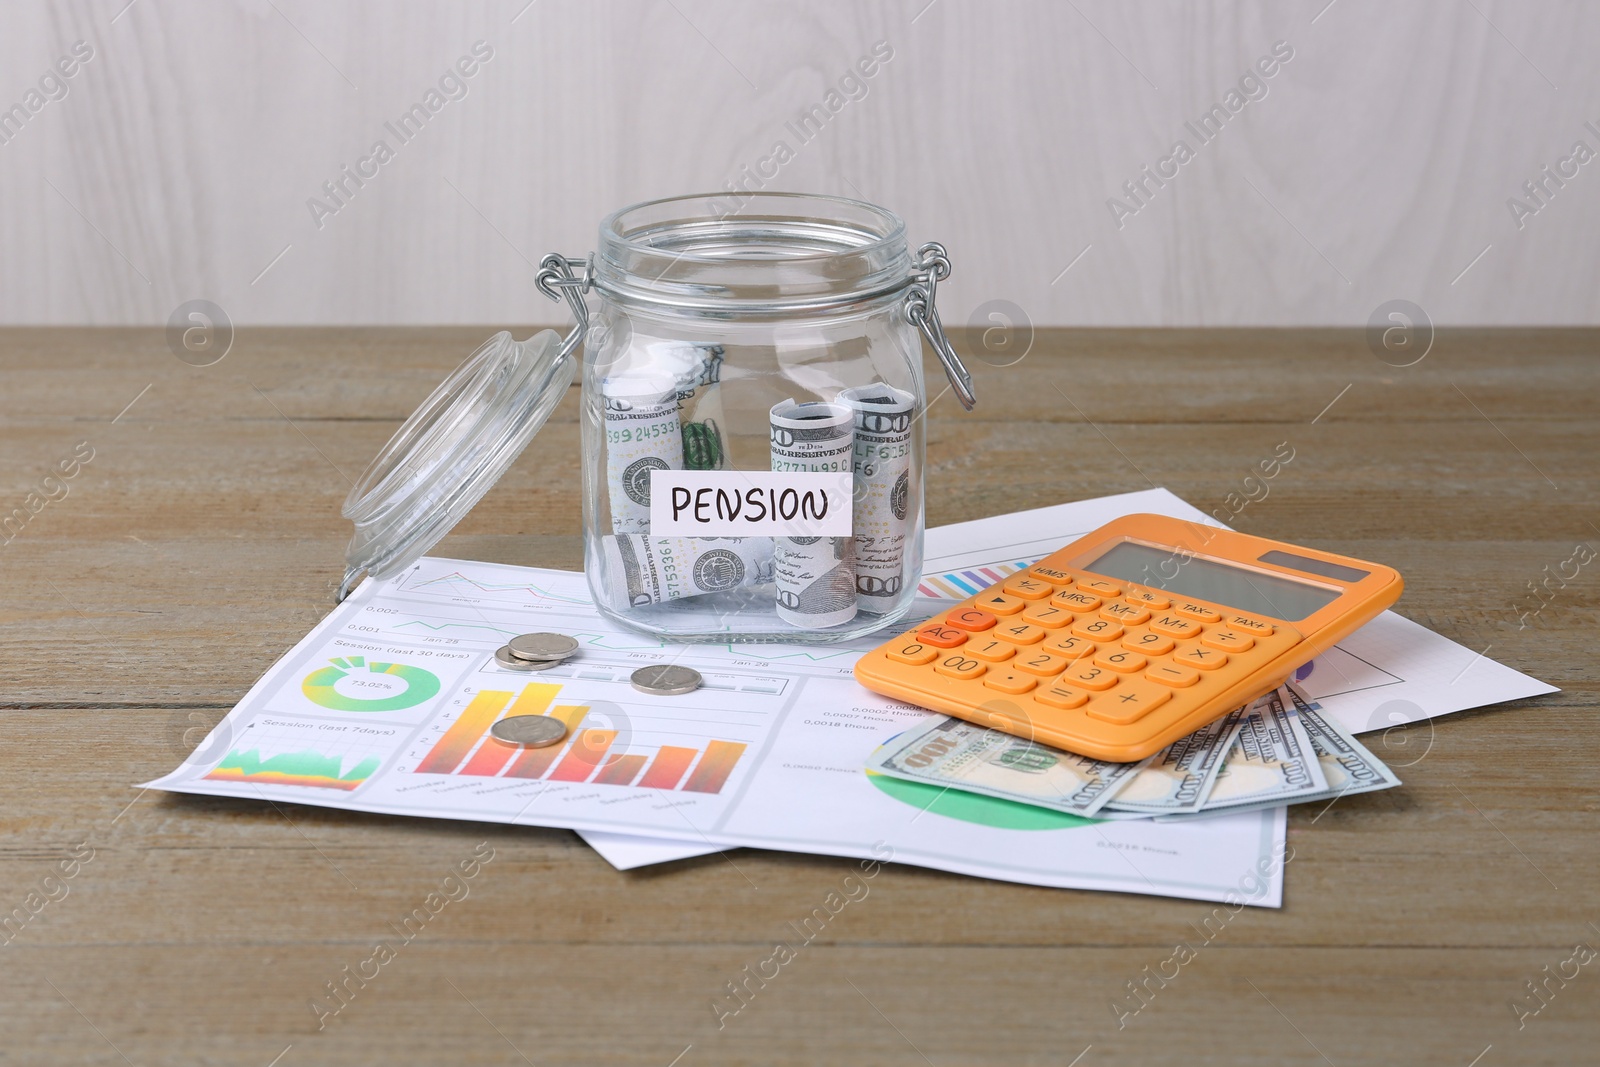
point(203, 539)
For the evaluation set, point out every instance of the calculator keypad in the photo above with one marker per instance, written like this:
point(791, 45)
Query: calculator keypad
point(971, 619)
point(960, 667)
point(1029, 588)
point(1000, 603)
point(1010, 681)
point(941, 636)
point(1047, 615)
point(1053, 646)
point(989, 648)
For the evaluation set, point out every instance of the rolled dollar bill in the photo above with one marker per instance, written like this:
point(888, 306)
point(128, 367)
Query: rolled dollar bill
point(642, 436)
point(1271, 761)
point(815, 576)
point(1180, 777)
point(643, 570)
point(975, 759)
point(881, 459)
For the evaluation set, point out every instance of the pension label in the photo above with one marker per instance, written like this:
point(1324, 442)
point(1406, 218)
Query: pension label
point(751, 503)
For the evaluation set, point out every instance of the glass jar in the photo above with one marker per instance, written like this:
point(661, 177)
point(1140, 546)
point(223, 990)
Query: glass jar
point(751, 420)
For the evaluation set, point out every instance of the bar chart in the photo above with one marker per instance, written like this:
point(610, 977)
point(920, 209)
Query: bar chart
point(589, 754)
point(958, 585)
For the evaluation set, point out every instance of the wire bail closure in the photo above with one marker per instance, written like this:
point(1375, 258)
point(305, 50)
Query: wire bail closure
point(556, 280)
point(922, 311)
point(555, 273)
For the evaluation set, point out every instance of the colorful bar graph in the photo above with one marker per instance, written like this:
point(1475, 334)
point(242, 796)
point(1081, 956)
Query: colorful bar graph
point(667, 770)
point(619, 771)
point(586, 755)
point(714, 768)
point(958, 585)
point(493, 755)
point(448, 752)
point(535, 761)
point(587, 750)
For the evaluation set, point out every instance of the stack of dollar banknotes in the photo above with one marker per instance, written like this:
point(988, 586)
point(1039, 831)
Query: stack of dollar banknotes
point(662, 411)
point(1280, 749)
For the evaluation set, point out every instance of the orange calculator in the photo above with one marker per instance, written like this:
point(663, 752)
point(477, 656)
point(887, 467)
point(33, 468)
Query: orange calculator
point(1132, 636)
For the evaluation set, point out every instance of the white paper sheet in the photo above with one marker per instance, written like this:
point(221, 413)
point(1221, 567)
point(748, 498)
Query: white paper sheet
point(383, 707)
point(1389, 673)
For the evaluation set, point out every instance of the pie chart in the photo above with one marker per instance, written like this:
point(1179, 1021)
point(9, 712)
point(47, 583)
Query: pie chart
point(369, 686)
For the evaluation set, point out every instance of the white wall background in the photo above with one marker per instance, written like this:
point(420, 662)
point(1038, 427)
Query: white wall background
point(1378, 166)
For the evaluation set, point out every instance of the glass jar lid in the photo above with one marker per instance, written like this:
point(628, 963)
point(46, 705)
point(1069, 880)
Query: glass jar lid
point(452, 449)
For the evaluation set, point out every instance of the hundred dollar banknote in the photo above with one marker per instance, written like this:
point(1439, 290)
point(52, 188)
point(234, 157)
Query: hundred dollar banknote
point(975, 759)
point(1179, 779)
point(884, 498)
point(815, 576)
point(1271, 761)
point(643, 570)
point(643, 435)
point(1347, 764)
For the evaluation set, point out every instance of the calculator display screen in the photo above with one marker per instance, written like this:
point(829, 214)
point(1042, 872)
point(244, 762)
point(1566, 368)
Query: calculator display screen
point(1177, 572)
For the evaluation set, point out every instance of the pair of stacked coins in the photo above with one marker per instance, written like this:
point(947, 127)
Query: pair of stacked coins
point(535, 652)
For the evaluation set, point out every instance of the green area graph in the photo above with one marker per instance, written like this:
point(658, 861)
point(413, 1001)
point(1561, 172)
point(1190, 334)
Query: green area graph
point(307, 768)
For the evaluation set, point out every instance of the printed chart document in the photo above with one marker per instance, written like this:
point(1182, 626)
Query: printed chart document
point(386, 706)
point(1389, 673)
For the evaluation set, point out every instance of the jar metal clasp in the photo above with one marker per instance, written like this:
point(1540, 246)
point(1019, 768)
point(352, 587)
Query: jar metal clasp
point(922, 311)
point(557, 280)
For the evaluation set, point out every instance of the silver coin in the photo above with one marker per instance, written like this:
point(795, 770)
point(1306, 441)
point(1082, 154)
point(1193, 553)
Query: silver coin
point(535, 731)
point(665, 679)
point(542, 647)
point(503, 656)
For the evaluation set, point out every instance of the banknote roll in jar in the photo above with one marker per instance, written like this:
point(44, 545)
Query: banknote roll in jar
point(751, 415)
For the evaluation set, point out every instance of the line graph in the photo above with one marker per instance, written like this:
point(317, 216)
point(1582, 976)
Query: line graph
point(455, 584)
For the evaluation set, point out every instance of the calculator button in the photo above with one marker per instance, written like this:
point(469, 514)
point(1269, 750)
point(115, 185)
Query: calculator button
point(1009, 681)
point(1197, 611)
point(1000, 603)
point(987, 647)
point(1257, 627)
point(1227, 641)
point(1073, 600)
point(1020, 633)
point(1029, 588)
point(1088, 676)
point(1150, 644)
point(915, 653)
point(941, 636)
point(1073, 648)
point(1148, 599)
point(1099, 587)
point(1176, 677)
point(1173, 626)
point(1047, 615)
point(1130, 703)
point(1120, 660)
point(1053, 575)
point(1205, 659)
point(1097, 629)
point(1062, 696)
point(970, 619)
point(1044, 664)
point(1127, 614)
point(959, 666)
